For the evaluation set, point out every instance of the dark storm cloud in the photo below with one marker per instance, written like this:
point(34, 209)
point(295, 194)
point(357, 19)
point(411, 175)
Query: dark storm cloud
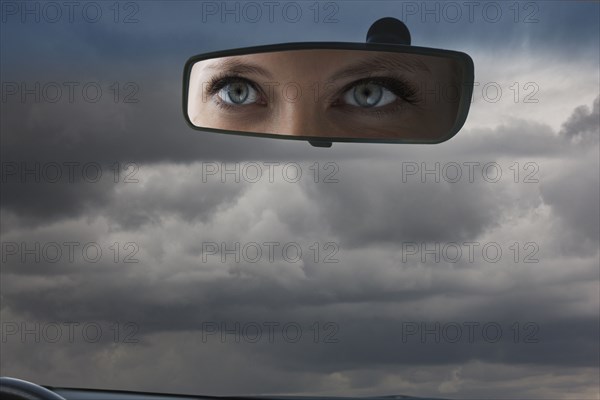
point(583, 124)
point(359, 339)
point(46, 202)
point(406, 207)
point(177, 292)
point(574, 192)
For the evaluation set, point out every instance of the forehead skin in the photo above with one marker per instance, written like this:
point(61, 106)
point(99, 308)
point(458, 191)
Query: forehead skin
point(318, 65)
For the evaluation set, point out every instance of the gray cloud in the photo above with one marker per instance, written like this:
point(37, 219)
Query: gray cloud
point(583, 124)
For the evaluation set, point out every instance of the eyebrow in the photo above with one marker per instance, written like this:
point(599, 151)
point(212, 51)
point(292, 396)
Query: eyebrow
point(379, 64)
point(234, 66)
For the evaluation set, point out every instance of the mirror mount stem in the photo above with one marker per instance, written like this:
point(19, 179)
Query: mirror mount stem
point(389, 30)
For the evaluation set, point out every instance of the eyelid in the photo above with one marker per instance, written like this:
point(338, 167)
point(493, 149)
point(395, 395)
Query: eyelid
point(218, 82)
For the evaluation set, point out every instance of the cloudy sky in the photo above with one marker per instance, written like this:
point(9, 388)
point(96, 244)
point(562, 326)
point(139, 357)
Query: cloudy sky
point(139, 254)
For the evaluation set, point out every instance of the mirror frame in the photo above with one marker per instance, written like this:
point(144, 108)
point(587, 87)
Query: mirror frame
point(463, 110)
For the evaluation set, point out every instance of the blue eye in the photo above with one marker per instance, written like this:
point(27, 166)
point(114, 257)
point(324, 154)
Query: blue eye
point(238, 93)
point(369, 95)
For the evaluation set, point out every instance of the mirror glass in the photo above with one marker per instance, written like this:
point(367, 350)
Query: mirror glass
point(331, 93)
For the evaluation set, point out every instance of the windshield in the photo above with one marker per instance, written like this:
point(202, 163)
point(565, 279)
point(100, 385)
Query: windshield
point(140, 254)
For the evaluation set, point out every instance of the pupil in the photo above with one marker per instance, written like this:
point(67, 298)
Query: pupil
point(367, 95)
point(238, 93)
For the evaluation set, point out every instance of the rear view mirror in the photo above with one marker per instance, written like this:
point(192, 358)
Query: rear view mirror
point(328, 92)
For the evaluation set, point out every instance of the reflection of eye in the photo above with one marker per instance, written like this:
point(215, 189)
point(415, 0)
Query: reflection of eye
point(235, 91)
point(368, 95)
point(377, 92)
point(238, 93)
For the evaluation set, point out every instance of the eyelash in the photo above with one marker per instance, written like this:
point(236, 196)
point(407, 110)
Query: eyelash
point(398, 86)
